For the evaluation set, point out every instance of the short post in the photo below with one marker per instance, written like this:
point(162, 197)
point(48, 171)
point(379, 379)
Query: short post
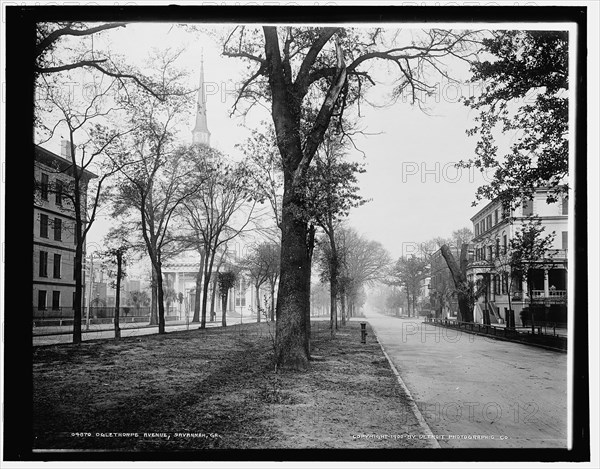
point(363, 332)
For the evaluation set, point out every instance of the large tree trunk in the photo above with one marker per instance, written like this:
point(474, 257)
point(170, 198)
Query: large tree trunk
point(79, 233)
point(510, 317)
point(343, 307)
point(213, 296)
point(333, 282)
point(408, 301)
point(293, 298)
point(224, 310)
point(531, 309)
point(161, 299)
point(197, 298)
point(213, 314)
point(206, 285)
point(257, 288)
point(153, 307)
point(118, 295)
point(77, 310)
point(310, 247)
point(272, 301)
point(333, 294)
point(79, 236)
point(460, 281)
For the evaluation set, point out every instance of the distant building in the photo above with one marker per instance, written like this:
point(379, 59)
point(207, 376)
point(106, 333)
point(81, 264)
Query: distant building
point(547, 292)
point(200, 133)
point(132, 285)
point(54, 232)
point(181, 277)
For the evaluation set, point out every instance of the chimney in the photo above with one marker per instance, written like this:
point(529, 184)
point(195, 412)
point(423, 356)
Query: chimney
point(65, 149)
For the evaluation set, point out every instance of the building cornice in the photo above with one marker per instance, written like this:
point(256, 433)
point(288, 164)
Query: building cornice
point(512, 221)
point(53, 246)
point(541, 190)
point(59, 284)
point(53, 212)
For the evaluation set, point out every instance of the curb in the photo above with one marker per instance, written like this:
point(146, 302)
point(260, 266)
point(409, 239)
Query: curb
point(411, 402)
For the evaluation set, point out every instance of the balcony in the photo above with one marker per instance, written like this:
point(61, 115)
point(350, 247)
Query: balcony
point(554, 296)
point(558, 253)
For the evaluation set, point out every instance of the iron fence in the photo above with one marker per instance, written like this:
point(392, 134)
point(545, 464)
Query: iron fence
point(95, 312)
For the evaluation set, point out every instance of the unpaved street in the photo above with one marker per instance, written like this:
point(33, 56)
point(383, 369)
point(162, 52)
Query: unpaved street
point(467, 385)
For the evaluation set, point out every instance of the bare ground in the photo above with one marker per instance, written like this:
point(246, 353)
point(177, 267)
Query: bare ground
point(218, 389)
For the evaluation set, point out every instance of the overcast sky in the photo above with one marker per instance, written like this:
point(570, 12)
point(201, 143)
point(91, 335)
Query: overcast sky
point(416, 193)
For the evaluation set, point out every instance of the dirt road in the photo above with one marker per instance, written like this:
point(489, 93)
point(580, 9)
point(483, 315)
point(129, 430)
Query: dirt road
point(470, 388)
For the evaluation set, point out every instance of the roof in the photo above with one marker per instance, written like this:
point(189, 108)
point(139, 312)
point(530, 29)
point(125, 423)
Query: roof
point(496, 201)
point(56, 161)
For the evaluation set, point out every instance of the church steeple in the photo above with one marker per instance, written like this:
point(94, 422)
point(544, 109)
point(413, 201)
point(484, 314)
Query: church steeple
point(200, 133)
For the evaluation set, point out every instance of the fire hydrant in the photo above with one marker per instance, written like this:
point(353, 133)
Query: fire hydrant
point(363, 332)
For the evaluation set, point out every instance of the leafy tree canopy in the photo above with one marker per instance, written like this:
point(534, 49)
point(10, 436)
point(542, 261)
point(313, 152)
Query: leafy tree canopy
point(525, 96)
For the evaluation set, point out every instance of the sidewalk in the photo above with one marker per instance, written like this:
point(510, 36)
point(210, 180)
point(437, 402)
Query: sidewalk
point(68, 329)
point(53, 335)
point(477, 392)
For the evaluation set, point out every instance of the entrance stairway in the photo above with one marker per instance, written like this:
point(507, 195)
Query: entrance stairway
point(492, 308)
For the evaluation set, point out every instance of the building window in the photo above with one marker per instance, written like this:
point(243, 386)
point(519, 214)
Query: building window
point(44, 186)
point(505, 244)
point(43, 264)
point(565, 240)
point(43, 226)
point(496, 217)
point(57, 229)
point(477, 229)
point(490, 252)
point(240, 296)
point(497, 247)
point(240, 300)
point(482, 226)
point(483, 253)
point(55, 300)
point(565, 206)
point(56, 265)
point(42, 299)
point(527, 207)
point(59, 192)
point(489, 222)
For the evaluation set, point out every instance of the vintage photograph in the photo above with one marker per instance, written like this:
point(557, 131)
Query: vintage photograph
point(301, 233)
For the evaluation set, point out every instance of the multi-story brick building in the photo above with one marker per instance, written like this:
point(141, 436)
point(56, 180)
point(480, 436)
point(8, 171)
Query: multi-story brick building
point(54, 233)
